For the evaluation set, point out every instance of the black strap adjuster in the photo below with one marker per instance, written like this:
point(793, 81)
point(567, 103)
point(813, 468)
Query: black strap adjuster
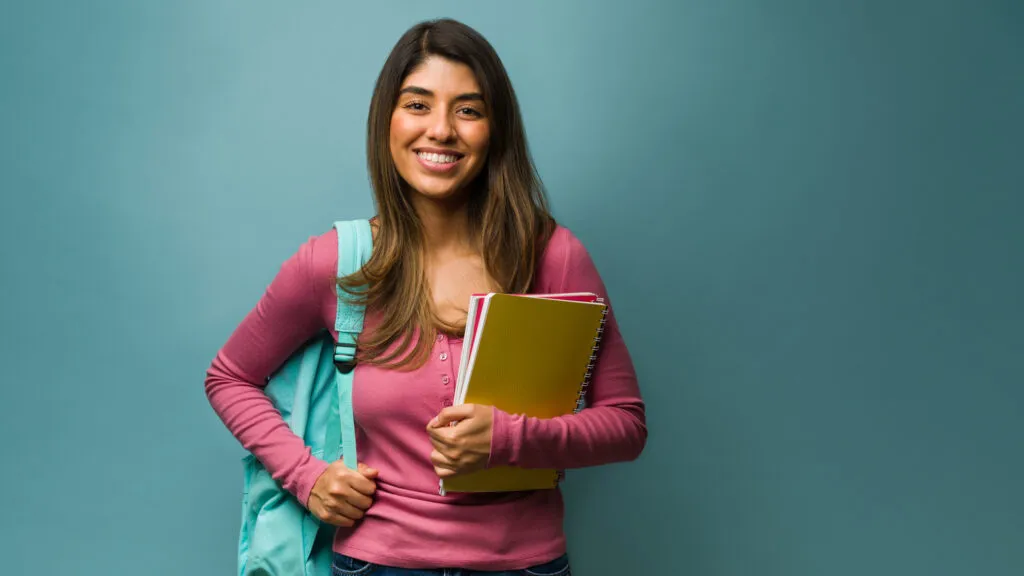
point(345, 366)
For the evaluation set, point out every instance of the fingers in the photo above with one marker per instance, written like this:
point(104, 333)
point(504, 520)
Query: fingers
point(459, 448)
point(439, 445)
point(361, 468)
point(443, 438)
point(361, 484)
point(346, 510)
point(335, 511)
point(443, 465)
point(344, 504)
point(340, 495)
point(367, 471)
point(440, 460)
point(448, 447)
point(330, 517)
point(452, 414)
point(340, 519)
point(362, 480)
point(444, 472)
point(353, 487)
point(352, 490)
point(357, 500)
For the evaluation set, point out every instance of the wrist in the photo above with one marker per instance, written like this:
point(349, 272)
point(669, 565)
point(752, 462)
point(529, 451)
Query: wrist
point(500, 453)
point(306, 482)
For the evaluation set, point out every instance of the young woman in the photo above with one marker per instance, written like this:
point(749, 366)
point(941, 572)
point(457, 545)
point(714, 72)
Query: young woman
point(460, 211)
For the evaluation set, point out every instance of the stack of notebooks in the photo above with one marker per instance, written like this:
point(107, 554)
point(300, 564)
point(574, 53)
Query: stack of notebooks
point(529, 354)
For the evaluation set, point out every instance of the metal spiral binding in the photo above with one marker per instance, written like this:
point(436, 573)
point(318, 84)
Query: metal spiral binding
point(581, 398)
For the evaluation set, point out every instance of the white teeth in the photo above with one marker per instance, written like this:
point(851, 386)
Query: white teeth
point(437, 158)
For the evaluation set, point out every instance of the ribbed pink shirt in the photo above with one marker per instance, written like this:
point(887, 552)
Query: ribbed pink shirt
point(409, 525)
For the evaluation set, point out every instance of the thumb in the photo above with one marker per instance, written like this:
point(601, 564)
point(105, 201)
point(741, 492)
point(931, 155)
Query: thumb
point(367, 471)
point(452, 414)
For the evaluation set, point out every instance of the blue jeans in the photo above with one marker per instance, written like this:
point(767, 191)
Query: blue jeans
point(348, 566)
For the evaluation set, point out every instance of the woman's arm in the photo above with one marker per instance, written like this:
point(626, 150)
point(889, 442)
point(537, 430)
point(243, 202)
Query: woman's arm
point(287, 315)
point(613, 426)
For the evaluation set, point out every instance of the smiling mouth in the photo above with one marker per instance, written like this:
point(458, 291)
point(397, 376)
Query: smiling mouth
point(439, 159)
point(438, 162)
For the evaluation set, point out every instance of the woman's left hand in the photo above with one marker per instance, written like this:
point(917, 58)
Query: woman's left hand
point(464, 447)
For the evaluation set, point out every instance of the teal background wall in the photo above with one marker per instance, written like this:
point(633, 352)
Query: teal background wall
point(808, 215)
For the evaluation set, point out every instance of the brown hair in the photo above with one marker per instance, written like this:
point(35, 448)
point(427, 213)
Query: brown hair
point(508, 214)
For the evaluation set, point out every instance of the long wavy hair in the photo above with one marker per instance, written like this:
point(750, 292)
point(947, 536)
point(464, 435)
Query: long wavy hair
point(508, 210)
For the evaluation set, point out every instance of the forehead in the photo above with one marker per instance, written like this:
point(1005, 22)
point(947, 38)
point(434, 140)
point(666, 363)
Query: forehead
point(440, 75)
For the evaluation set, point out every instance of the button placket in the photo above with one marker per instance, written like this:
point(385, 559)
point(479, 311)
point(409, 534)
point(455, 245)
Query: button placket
point(447, 375)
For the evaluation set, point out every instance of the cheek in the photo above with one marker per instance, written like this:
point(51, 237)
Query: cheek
point(478, 138)
point(401, 132)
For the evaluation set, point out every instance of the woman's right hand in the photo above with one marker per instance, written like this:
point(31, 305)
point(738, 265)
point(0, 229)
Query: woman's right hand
point(340, 496)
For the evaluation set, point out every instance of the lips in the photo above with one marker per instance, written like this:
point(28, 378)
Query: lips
point(438, 162)
point(439, 158)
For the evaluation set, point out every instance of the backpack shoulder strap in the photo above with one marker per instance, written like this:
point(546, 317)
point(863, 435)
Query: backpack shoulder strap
point(355, 243)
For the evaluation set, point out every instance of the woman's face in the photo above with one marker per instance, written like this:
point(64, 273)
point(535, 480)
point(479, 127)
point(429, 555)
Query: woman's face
point(440, 130)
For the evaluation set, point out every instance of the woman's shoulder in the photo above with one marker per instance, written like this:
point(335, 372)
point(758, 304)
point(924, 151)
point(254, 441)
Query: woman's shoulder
point(323, 252)
point(563, 247)
point(563, 253)
point(315, 263)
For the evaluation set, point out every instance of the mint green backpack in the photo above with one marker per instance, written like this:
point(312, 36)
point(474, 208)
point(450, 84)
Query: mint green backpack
point(313, 391)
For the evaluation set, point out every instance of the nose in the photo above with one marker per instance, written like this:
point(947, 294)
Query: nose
point(441, 129)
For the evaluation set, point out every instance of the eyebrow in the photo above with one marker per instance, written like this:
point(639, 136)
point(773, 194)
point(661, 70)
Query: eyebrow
point(424, 92)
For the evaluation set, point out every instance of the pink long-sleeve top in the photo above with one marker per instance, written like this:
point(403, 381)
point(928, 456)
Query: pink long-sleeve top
point(409, 524)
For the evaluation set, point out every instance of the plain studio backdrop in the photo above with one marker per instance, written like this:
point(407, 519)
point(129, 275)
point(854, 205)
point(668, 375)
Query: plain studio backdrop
point(808, 215)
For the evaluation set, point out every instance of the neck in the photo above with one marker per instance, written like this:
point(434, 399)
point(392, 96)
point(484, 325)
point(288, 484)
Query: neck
point(445, 224)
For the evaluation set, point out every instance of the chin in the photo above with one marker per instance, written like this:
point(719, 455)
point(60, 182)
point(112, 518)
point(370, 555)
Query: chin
point(436, 190)
point(440, 187)
point(439, 194)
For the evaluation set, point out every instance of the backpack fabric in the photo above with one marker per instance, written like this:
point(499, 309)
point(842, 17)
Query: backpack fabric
point(313, 392)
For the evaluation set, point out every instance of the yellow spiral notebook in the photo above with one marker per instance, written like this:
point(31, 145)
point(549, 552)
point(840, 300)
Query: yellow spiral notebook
point(531, 355)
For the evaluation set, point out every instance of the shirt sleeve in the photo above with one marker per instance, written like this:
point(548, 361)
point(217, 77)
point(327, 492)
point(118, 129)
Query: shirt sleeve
point(287, 315)
point(612, 428)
